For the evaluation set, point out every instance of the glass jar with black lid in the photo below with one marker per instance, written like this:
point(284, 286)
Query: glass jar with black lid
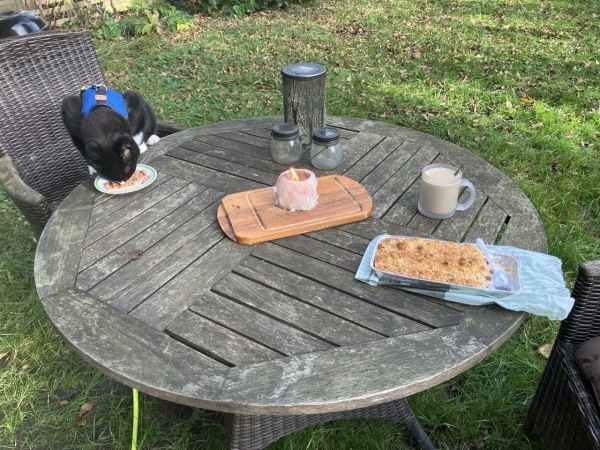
point(326, 151)
point(286, 146)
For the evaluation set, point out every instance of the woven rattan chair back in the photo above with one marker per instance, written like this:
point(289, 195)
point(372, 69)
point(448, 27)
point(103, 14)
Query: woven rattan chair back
point(564, 408)
point(36, 71)
point(583, 322)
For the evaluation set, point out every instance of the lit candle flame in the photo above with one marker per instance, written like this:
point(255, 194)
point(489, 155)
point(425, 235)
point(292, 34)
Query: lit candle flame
point(295, 176)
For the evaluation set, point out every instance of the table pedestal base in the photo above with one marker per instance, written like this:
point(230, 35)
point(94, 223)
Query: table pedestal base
point(245, 432)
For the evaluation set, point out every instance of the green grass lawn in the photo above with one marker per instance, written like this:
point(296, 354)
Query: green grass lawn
point(514, 81)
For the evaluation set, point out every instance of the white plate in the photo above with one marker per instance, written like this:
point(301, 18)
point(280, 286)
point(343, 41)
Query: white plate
point(99, 182)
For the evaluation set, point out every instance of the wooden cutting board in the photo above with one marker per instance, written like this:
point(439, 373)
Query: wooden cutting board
point(251, 217)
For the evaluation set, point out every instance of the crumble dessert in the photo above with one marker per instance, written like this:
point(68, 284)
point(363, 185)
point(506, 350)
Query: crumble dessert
point(444, 261)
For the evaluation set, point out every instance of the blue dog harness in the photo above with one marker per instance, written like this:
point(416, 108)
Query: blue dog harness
point(99, 95)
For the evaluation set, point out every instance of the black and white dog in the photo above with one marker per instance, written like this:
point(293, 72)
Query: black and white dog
point(110, 129)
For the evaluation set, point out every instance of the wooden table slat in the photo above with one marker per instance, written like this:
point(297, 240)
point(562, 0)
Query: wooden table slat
point(212, 257)
point(373, 161)
point(61, 244)
point(529, 233)
point(455, 228)
point(382, 167)
point(102, 209)
point(155, 243)
point(220, 141)
point(325, 252)
point(405, 209)
point(178, 372)
point(137, 224)
point(261, 328)
point(133, 286)
point(355, 149)
point(355, 376)
point(293, 311)
point(371, 228)
point(342, 239)
point(239, 166)
point(218, 342)
point(227, 160)
point(488, 224)
point(387, 195)
point(259, 139)
point(321, 296)
point(395, 300)
point(258, 132)
point(220, 181)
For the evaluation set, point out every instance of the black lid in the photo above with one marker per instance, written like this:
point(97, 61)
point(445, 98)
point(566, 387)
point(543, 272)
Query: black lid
point(285, 131)
point(326, 135)
point(304, 70)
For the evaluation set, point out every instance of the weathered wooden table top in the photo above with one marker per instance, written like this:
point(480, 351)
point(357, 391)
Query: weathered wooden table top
point(147, 288)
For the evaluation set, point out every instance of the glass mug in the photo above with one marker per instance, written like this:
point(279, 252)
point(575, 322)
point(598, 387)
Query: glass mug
point(438, 194)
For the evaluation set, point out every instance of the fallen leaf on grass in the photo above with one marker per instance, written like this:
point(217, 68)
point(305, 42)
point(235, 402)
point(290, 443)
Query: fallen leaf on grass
point(4, 359)
point(24, 368)
point(86, 408)
point(526, 99)
point(80, 422)
point(545, 350)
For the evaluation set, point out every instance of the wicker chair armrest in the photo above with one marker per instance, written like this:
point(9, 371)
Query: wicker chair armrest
point(15, 187)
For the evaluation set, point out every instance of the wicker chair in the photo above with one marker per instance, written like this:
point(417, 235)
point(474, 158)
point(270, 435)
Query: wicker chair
point(564, 408)
point(39, 165)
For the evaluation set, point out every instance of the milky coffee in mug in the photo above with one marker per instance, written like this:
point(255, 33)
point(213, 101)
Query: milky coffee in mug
point(438, 195)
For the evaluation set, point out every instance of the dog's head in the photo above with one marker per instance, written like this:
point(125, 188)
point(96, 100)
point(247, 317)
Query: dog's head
point(109, 147)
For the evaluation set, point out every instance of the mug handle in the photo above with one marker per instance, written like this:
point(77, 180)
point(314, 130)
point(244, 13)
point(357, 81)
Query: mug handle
point(471, 199)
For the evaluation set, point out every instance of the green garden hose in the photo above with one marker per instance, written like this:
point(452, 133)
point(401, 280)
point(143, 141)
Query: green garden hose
point(135, 420)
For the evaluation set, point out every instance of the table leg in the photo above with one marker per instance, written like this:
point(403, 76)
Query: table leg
point(246, 432)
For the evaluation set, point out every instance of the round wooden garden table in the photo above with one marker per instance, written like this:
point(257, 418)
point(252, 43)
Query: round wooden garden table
point(279, 335)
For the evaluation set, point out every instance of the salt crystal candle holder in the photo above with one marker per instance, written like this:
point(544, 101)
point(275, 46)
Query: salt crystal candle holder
point(304, 97)
point(296, 190)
